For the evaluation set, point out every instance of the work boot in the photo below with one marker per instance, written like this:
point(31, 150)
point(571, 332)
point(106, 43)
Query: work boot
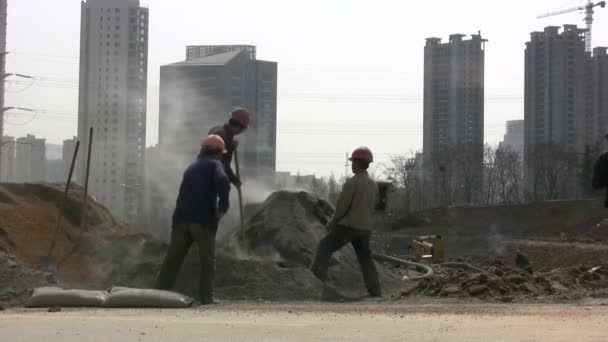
point(375, 293)
point(322, 276)
point(212, 301)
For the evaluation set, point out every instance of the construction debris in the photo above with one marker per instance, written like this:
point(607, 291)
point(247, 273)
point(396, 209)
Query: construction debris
point(269, 260)
point(499, 282)
point(18, 280)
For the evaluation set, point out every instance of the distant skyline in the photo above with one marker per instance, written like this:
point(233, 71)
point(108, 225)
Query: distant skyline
point(350, 72)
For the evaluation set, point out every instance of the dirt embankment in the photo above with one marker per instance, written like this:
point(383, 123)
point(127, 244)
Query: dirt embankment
point(28, 218)
point(535, 220)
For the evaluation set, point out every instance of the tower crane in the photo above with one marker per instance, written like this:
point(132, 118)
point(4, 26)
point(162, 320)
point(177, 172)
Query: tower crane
point(588, 8)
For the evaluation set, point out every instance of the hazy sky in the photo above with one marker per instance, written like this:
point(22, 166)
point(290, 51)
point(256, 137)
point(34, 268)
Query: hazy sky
point(350, 72)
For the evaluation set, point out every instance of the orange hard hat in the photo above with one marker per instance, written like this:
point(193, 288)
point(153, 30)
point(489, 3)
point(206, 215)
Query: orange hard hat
point(362, 153)
point(214, 141)
point(241, 115)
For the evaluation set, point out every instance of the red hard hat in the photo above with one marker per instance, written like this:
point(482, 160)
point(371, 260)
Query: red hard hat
point(215, 142)
point(363, 153)
point(241, 115)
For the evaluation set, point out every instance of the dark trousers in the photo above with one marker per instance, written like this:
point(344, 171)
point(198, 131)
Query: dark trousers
point(182, 237)
point(336, 239)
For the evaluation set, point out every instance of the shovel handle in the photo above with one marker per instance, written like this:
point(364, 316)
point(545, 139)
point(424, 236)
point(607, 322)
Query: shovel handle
point(239, 190)
point(65, 199)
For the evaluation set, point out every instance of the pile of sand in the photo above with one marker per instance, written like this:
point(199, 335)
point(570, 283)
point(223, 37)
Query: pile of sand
point(28, 219)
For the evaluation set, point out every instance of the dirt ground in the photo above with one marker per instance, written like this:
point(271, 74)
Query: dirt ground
point(566, 242)
point(313, 322)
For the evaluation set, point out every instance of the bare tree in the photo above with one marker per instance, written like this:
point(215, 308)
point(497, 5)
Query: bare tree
point(465, 171)
point(411, 192)
point(508, 165)
point(490, 175)
point(442, 177)
point(401, 172)
point(554, 172)
point(333, 189)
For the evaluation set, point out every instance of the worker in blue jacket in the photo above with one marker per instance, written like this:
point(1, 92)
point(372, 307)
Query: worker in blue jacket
point(202, 201)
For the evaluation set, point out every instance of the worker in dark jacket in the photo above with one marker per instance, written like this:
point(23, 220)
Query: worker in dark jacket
point(600, 173)
point(352, 223)
point(202, 201)
point(238, 123)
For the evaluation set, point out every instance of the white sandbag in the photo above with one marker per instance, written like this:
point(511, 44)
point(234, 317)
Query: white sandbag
point(123, 297)
point(46, 297)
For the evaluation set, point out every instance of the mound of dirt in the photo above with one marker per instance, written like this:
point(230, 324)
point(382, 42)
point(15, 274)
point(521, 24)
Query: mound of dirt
point(269, 260)
point(130, 260)
point(28, 219)
point(17, 280)
point(283, 235)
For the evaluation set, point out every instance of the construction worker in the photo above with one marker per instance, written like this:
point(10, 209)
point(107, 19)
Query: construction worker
point(352, 223)
point(600, 173)
point(202, 201)
point(237, 124)
point(521, 260)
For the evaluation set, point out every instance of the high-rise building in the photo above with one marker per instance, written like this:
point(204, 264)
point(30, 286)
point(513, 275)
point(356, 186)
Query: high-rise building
point(30, 160)
point(454, 111)
point(3, 21)
point(67, 154)
point(156, 220)
point(599, 97)
point(514, 138)
point(198, 94)
point(556, 111)
point(112, 100)
point(7, 164)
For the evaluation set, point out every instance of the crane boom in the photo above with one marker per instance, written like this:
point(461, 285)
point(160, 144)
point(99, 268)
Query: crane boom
point(588, 18)
point(574, 9)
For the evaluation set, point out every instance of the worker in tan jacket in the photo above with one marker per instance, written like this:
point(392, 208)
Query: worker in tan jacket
point(352, 223)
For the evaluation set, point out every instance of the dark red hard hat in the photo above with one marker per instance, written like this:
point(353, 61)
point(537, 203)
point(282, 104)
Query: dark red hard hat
point(241, 115)
point(362, 153)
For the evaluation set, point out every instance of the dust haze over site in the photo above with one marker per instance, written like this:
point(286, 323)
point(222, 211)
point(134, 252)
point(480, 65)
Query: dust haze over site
point(353, 78)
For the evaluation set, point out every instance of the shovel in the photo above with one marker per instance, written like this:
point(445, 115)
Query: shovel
point(238, 174)
point(48, 263)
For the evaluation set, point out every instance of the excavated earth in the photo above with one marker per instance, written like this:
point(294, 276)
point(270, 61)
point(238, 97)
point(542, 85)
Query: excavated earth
point(269, 259)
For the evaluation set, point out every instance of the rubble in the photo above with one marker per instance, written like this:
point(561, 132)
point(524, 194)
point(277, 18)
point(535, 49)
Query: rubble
point(17, 280)
point(506, 284)
point(270, 259)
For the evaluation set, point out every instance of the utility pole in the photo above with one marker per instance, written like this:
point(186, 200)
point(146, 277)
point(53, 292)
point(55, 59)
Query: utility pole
point(3, 17)
point(346, 166)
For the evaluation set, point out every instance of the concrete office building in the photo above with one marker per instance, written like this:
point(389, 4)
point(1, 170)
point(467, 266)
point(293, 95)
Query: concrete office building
point(556, 111)
point(198, 94)
point(69, 146)
point(514, 137)
point(7, 164)
point(30, 160)
point(599, 96)
point(454, 110)
point(112, 100)
point(155, 220)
